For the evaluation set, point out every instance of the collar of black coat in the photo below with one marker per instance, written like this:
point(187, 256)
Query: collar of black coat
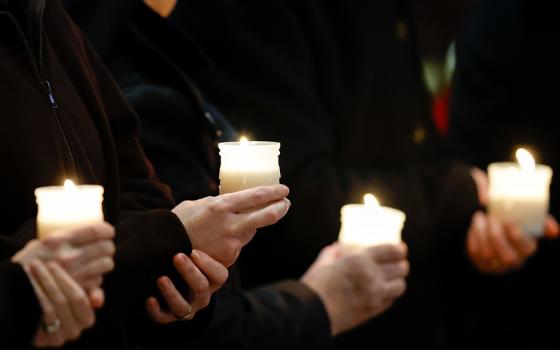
point(102, 21)
point(161, 35)
point(105, 21)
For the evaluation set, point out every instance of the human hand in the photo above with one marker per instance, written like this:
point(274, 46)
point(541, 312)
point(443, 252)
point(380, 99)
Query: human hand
point(481, 180)
point(67, 310)
point(356, 285)
point(222, 225)
point(496, 248)
point(202, 274)
point(85, 253)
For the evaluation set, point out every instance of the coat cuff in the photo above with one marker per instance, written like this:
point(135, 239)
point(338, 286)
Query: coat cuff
point(21, 310)
point(307, 311)
point(146, 244)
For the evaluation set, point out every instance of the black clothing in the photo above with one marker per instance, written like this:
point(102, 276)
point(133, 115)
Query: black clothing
point(338, 83)
point(179, 133)
point(19, 308)
point(505, 96)
point(64, 117)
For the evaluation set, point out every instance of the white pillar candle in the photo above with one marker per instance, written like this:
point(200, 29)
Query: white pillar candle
point(247, 164)
point(68, 206)
point(519, 192)
point(370, 224)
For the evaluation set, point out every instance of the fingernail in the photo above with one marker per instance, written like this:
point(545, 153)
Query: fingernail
point(185, 258)
point(165, 281)
point(194, 254)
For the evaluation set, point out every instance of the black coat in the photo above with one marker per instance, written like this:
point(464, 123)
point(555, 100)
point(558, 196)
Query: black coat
point(505, 95)
point(179, 133)
point(19, 308)
point(80, 127)
point(339, 84)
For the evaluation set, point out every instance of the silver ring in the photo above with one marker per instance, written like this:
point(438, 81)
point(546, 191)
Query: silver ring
point(185, 316)
point(52, 327)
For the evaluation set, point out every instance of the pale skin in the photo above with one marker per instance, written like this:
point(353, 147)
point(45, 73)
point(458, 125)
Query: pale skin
point(499, 247)
point(356, 285)
point(162, 7)
point(218, 227)
point(66, 271)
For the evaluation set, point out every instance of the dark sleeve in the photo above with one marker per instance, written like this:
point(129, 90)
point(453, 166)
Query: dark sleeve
point(148, 234)
point(285, 315)
point(176, 138)
point(268, 82)
point(19, 308)
point(486, 102)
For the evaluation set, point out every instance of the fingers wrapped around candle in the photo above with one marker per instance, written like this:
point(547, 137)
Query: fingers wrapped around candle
point(222, 225)
point(84, 235)
point(387, 253)
point(357, 284)
point(254, 198)
point(496, 247)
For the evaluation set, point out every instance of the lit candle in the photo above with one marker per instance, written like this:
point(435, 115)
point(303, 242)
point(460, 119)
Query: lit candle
point(370, 224)
point(519, 193)
point(247, 164)
point(68, 206)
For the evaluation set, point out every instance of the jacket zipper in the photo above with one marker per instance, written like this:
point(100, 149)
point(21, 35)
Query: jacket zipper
point(40, 73)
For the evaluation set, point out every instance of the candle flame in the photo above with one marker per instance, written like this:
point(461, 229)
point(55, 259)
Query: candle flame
point(525, 159)
point(370, 201)
point(244, 141)
point(69, 185)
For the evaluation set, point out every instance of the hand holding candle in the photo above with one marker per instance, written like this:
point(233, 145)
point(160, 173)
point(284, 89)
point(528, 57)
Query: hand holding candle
point(506, 237)
point(220, 226)
point(370, 224)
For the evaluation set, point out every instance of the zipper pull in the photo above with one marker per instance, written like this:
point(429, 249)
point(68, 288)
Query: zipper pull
point(52, 100)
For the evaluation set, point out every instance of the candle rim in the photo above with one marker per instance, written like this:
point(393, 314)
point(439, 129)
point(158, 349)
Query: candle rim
point(515, 165)
point(385, 210)
point(61, 188)
point(249, 143)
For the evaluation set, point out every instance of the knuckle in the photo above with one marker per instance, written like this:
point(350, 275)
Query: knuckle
point(405, 266)
point(218, 204)
point(272, 216)
point(107, 264)
point(202, 287)
point(258, 196)
point(108, 248)
point(60, 301)
point(79, 297)
point(230, 229)
point(205, 302)
point(402, 288)
point(66, 261)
